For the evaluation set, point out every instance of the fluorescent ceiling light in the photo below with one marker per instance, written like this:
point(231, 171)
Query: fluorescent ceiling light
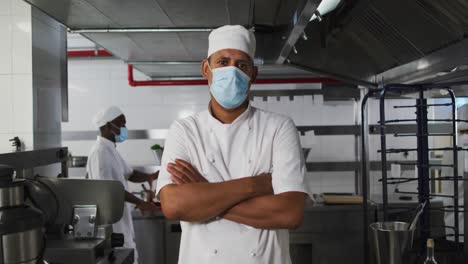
point(325, 7)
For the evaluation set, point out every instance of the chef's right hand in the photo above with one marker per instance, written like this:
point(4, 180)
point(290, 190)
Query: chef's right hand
point(183, 172)
point(263, 183)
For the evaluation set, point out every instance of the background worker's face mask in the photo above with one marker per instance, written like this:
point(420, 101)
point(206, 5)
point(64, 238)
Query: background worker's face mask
point(123, 134)
point(229, 86)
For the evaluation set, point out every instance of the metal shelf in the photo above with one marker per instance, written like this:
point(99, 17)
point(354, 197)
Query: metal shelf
point(330, 92)
point(34, 158)
point(25, 161)
point(350, 166)
point(318, 131)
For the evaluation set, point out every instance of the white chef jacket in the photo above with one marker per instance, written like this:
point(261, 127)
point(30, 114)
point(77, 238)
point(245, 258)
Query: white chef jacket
point(256, 142)
point(105, 163)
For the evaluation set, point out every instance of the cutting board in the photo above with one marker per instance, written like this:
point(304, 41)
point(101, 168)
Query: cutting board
point(342, 199)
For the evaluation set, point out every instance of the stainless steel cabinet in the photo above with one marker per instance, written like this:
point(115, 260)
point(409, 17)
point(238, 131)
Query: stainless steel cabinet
point(173, 234)
point(149, 238)
point(328, 235)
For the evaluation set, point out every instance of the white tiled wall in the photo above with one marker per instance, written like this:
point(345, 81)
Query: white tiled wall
point(96, 83)
point(5, 44)
point(21, 43)
point(6, 108)
point(15, 74)
point(22, 103)
point(19, 8)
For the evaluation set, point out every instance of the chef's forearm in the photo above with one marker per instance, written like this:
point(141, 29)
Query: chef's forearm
point(132, 198)
point(281, 211)
point(197, 202)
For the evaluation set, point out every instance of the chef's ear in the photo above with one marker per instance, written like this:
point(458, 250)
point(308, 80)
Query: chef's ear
point(109, 126)
point(205, 68)
point(254, 75)
point(104, 127)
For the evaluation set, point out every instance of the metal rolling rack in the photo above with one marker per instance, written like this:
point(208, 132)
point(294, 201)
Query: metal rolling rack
point(423, 163)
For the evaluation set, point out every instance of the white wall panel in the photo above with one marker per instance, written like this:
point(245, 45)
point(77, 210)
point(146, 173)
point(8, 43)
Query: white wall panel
point(20, 8)
point(96, 83)
point(6, 106)
point(22, 103)
point(5, 44)
point(21, 45)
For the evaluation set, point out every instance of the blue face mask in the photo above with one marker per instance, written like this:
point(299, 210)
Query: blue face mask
point(229, 86)
point(123, 134)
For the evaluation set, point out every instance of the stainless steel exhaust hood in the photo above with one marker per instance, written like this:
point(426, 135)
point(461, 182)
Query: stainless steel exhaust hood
point(360, 40)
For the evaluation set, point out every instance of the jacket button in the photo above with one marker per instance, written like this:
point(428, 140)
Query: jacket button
point(253, 254)
point(215, 251)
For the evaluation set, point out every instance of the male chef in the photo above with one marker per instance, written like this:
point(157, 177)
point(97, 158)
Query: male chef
point(233, 174)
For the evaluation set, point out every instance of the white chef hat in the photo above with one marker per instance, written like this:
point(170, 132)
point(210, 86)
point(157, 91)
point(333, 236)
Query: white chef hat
point(232, 37)
point(106, 115)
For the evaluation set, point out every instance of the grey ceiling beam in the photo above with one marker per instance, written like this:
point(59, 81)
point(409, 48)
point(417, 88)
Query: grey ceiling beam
point(140, 30)
point(164, 62)
point(444, 62)
point(342, 78)
point(297, 31)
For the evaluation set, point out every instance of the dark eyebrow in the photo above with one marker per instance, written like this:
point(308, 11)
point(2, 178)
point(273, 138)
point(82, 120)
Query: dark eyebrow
point(239, 61)
point(245, 61)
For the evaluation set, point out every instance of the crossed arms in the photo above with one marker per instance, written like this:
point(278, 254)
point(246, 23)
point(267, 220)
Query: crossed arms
point(249, 200)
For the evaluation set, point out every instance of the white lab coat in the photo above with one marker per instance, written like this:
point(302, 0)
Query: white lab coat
point(105, 163)
point(256, 142)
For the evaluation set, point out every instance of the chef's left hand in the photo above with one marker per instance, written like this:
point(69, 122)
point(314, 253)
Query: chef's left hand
point(183, 172)
point(147, 208)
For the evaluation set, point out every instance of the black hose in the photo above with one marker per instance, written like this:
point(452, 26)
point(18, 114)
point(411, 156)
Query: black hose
point(57, 203)
point(40, 258)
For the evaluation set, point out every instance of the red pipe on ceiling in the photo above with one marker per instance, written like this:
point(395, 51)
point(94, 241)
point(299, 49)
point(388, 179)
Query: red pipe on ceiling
point(135, 83)
point(89, 53)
